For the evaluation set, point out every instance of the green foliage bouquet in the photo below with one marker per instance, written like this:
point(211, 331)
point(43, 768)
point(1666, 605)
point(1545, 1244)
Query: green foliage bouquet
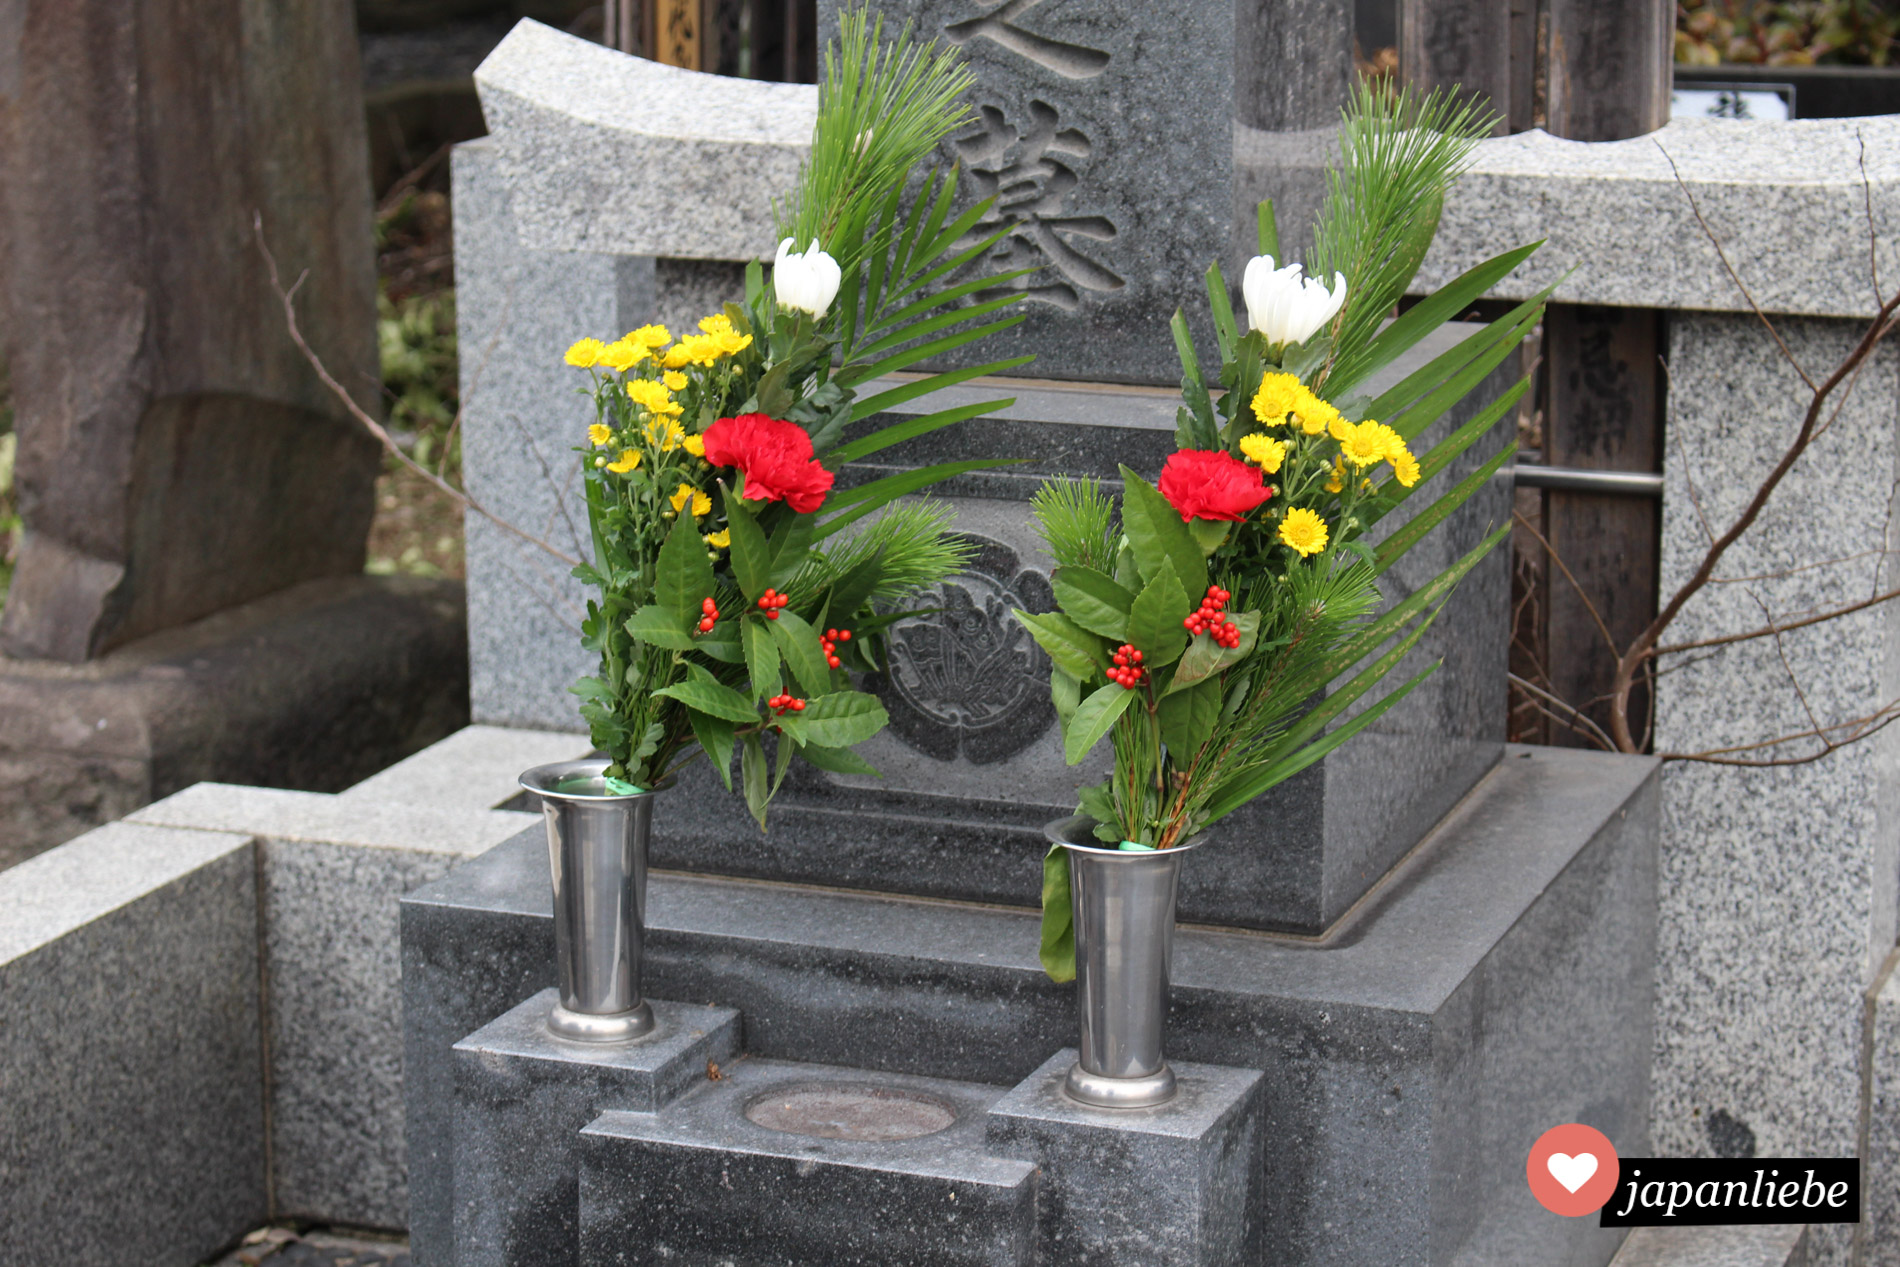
point(1219, 623)
point(731, 605)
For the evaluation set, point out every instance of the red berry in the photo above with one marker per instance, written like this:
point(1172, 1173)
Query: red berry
point(844, 635)
point(798, 706)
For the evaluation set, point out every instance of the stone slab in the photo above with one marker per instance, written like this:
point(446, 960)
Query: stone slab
point(702, 1183)
point(1173, 1184)
point(332, 872)
point(131, 1073)
point(476, 768)
point(1879, 1232)
point(1770, 1246)
point(522, 1097)
point(1412, 1056)
point(315, 687)
point(1778, 889)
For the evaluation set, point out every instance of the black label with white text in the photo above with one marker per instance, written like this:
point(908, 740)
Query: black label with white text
point(1707, 1191)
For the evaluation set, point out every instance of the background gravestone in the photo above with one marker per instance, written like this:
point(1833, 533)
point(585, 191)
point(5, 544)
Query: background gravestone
point(1127, 147)
point(176, 454)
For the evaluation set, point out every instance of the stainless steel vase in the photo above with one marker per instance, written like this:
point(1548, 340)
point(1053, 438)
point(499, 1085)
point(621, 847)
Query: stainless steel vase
point(597, 852)
point(1124, 945)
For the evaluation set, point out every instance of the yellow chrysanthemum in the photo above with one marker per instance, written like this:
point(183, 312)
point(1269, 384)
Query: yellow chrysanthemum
point(599, 433)
point(676, 356)
point(695, 445)
point(665, 434)
point(687, 495)
point(1264, 452)
point(1404, 467)
point(629, 459)
point(1362, 445)
point(1339, 429)
point(622, 356)
point(1278, 395)
point(1336, 482)
point(652, 397)
point(718, 540)
point(1314, 415)
point(674, 380)
point(585, 353)
point(731, 342)
point(1304, 531)
point(650, 337)
point(705, 349)
point(718, 323)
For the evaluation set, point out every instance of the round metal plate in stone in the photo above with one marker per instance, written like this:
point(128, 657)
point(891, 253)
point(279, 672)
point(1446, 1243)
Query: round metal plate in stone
point(864, 1112)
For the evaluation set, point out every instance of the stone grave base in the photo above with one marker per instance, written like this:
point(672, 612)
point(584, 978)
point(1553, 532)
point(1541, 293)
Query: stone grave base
point(315, 687)
point(1496, 984)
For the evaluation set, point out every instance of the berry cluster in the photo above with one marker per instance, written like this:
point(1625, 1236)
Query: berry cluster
point(1127, 669)
point(711, 616)
point(783, 703)
point(1210, 620)
point(829, 641)
point(771, 602)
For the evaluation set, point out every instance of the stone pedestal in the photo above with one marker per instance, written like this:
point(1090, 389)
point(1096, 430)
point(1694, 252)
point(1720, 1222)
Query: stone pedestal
point(806, 1165)
point(522, 1095)
point(1496, 983)
point(1176, 1184)
point(315, 687)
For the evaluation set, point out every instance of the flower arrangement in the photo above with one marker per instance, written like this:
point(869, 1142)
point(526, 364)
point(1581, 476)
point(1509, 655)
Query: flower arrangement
point(731, 604)
point(1217, 624)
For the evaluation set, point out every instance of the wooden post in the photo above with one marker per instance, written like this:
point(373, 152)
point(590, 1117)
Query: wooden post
point(1466, 43)
point(1608, 63)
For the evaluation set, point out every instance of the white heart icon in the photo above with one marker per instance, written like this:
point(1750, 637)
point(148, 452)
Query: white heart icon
point(1572, 1172)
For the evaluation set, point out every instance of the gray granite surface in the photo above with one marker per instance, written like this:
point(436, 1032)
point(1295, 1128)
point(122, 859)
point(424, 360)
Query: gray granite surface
point(1880, 1145)
point(701, 1183)
point(1778, 885)
point(583, 132)
point(476, 768)
point(522, 1097)
point(332, 870)
point(1769, 1246)
point(1406, 1054)
point(1173, 1184)
point(131, 1087)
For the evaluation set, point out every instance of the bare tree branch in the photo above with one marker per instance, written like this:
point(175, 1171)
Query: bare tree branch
point(356, 411)
point(1775, 630)
point(1589, 606)
point(1858, 728)
point(1571, 718)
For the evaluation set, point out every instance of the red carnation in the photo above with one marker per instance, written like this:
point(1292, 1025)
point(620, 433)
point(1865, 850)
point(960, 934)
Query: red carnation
point(1204, 484)
point(775, 458)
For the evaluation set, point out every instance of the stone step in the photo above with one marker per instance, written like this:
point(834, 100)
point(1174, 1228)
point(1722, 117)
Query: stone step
point(807, 1166)
point(1497, 984)
point(1780, 1245)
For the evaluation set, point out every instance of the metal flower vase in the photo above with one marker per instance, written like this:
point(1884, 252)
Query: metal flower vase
point(597, 854)
point(1123, 904)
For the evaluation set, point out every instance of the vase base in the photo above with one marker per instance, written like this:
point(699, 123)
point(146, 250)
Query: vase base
point(1100, 1091)
point(614, 1027)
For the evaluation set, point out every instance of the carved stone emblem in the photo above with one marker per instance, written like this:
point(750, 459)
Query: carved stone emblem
point(967, 679)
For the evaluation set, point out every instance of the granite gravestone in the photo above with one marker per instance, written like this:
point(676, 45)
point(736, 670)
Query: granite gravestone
point(1127, 147)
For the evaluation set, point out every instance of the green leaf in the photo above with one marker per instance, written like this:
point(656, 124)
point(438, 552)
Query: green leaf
point(1395, 546)
point(1076, 652)
point(866, 498)
point(1448, 449)
point(836, 760)
point(758, 791)
point(1093, 601)
point(837, 720)
point(751, 562)
point(722, 644)
point(907, 391)
point(711, 698)
point(921, 425)
point(798, 642)
point(1200, 431)
point(1269, 231)
point(657, 625)
point(1065, 692)
point(1187, 719)
point(715, 735)
point(1154, 619)
point(1093, 718)
point(1223, 310)
point(790, 548)
point(761, 656)
point(1156, 531)
point(1428, 409)
point(1058, 917)
point(1209, 534)
point(1204, 657)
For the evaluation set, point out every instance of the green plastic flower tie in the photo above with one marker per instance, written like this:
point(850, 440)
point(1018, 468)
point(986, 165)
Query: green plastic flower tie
point(620, 787)
point(1131, 846)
